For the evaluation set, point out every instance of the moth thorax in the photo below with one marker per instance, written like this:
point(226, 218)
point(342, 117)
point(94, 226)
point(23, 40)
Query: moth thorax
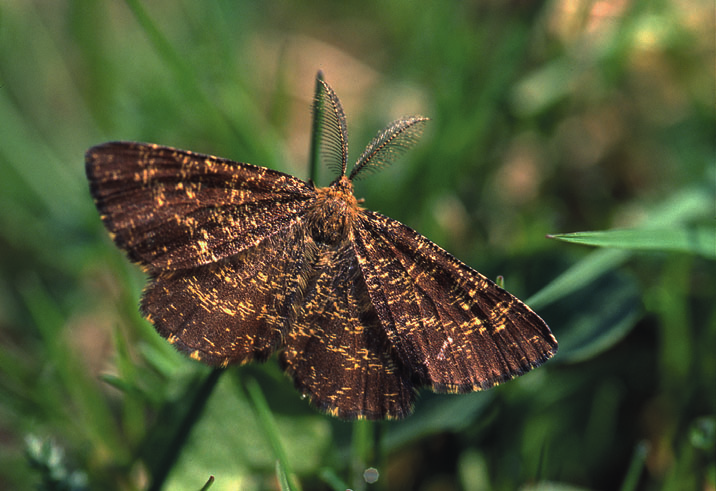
point(332, 216)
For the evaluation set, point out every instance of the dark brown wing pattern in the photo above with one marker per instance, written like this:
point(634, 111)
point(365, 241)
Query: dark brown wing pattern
point(454, 328)
point(174, 209)
point(336, 350)
point(236, 310)
point(245, 261)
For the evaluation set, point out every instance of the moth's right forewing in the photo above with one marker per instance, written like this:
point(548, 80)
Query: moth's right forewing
point(174, 209)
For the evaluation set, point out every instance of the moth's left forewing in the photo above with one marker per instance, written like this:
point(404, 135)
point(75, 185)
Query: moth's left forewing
point(454, 328)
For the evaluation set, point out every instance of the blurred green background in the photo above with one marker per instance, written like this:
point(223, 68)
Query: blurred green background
point(547, 117)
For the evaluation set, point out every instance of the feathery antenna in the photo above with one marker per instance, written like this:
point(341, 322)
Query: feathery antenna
point(390, 143)
point(329, 123)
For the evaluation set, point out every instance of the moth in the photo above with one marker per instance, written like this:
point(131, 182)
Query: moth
point(244, 261)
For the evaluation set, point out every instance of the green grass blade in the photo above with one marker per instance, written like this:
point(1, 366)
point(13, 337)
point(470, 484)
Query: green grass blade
point(636, 467)
point(268, 424)
point(208, 484)
point(330, 477)
point(363, 450)
point(437, 414)
point(282, 477)
point(683, 207)
point(607, 310)
point(183, 430)
point(578, 276)
point(693, 240)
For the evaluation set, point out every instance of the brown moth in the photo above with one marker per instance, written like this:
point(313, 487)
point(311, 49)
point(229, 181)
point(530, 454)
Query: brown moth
point(245, 261)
